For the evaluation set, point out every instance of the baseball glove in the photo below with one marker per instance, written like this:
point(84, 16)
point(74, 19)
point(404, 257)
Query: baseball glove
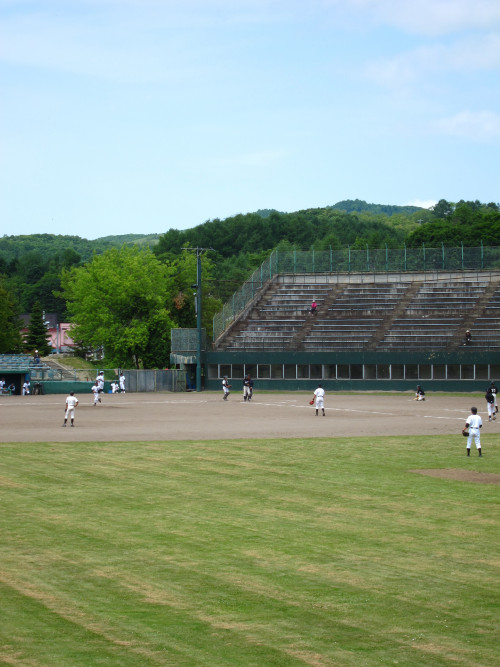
point(311, 402)
point(465, 433)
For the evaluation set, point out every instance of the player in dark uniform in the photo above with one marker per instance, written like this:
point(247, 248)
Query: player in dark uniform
point(247, 388)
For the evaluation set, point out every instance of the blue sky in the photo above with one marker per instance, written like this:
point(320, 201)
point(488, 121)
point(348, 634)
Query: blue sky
point(137, 116)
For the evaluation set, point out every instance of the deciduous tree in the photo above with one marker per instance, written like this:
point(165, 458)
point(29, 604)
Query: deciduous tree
point(121, 301)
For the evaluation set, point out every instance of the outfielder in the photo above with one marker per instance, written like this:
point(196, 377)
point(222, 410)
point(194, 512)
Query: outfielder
point(473, 423)
point(71, 403)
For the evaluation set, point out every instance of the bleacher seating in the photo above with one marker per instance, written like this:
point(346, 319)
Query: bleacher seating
point(422, 314)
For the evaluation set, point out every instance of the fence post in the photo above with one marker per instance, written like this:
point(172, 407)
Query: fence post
point(442, 252)
point(367, 258)
point(386, 259)
point(313, 259)
point(331, 260)
point(405, 256)
point(423, 247)
point(462, 243)
point(482, 254)
point(294, 261)
point(349, 259)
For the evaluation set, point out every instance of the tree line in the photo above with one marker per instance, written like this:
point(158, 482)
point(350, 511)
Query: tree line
point(125, 293)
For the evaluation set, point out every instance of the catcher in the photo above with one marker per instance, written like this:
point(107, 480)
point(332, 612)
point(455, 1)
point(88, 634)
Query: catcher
point(473, 423)
point(319, 396)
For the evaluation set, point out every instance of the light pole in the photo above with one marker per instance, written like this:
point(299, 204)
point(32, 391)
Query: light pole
point(197, 306)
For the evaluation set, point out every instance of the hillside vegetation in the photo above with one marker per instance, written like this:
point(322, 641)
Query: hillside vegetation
point(32, 266)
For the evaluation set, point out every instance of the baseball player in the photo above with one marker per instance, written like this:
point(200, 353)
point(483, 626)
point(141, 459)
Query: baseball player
point(473, 423)
point(96, 391)
point(122, 383)
point(247, 388)
point(493, 388)
point(319, 396)
point(69, 410)
point(419, 394)
point(490, 404)
point(225, 388)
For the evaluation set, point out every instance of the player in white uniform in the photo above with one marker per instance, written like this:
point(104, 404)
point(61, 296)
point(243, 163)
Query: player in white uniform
point(96, 392)
point(319, 396)
point(26, 388)
point(122, 383)
point(225, 388)
point(474, 423)
point(71, 403)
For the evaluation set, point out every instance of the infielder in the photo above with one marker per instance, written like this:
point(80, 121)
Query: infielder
point(71, 403)
point(493, 388)
point(490, 403)
point(96, 391)
point(473, 423)
point(319, 396)
point(225, 388)
point(247, 388)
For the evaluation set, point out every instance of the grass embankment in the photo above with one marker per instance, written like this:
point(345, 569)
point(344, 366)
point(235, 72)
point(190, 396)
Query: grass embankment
point(316, 552)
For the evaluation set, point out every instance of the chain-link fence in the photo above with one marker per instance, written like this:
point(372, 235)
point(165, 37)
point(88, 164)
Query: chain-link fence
point(135, 380)
point(345, 260)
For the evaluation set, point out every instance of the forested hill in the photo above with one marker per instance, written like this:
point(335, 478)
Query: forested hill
point(52, 245)
point(31, 266)
point(360, 206)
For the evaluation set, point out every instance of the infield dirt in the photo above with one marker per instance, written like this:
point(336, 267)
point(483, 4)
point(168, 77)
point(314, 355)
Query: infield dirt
point(205, 416)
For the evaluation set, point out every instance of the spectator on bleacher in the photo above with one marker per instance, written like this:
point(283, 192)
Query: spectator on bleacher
point(36, 357)
point(314, 307)
point(419, 394)
point(468, 337)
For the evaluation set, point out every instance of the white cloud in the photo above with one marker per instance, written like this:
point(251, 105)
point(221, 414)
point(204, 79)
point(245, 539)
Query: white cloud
point(429, 17)
point(422, 203)
point(478, 125)
point(472, 54)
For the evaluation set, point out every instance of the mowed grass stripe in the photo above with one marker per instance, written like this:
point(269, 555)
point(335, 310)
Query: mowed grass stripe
point(278, 552)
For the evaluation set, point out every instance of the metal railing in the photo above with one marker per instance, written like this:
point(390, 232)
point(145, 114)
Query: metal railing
point(347, 260)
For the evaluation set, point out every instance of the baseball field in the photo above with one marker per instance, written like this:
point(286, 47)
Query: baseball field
point(180, 529)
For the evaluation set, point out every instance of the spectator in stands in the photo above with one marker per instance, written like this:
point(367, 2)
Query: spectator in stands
point(36, 357)
point(419, 394)
point(314, 307)
point(468, 337)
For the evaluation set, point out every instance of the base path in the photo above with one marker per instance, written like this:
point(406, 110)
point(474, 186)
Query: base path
point(205, 416)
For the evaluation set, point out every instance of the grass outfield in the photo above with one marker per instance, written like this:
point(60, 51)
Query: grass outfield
point(249, 552)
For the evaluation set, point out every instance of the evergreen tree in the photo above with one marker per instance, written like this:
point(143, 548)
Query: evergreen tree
point(37, 336)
